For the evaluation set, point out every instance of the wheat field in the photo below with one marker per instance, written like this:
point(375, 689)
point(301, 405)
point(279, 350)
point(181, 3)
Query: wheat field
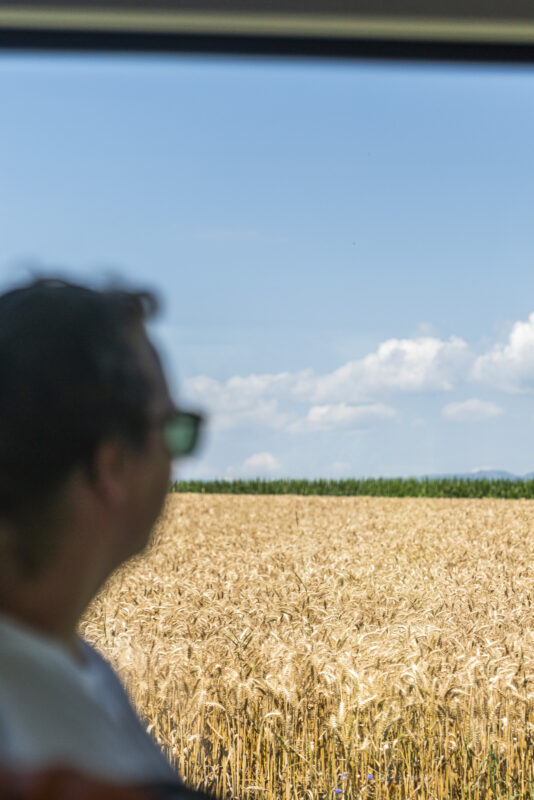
point(317, 647)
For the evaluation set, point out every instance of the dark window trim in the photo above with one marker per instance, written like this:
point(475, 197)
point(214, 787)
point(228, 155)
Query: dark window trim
point(24, 39)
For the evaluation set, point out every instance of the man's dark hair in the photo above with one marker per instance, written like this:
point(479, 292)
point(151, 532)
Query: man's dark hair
point(69, 380)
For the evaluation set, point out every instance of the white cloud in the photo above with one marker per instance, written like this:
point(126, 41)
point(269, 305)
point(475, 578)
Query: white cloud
point(260, 464)
point(397, 366)
point(241, 401)
point(238, 393)
point(472, 410)
point(340, 415)
point(264, 413)
point(511, 366)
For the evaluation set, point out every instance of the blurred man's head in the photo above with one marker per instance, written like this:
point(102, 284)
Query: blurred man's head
point(83, 405)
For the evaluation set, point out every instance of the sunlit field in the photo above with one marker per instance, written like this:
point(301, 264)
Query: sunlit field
point(321, 647)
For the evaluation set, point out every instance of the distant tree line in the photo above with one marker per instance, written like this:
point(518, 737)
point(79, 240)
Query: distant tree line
point(373, 487)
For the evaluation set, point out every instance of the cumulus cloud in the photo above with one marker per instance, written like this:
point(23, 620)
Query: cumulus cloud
point(472, 410)
point(238, 393)
point(510, 366)
point(397, 366)
point(340, 415)
point(260, 464)
point(265, 413)
point(241, 401)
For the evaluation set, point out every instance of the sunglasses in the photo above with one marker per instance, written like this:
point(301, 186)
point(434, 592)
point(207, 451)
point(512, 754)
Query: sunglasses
point(181, 431)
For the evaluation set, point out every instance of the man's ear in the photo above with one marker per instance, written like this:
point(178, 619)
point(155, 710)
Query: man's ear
point(110, 472)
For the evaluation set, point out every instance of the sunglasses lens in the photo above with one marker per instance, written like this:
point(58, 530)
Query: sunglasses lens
point(181, 434)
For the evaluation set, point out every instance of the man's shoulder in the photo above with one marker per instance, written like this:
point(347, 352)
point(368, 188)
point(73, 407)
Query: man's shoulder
point(94, 659)
point(69, 784)
point(98, 665)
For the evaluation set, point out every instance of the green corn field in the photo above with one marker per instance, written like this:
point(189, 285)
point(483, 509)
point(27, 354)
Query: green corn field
point(368, 487)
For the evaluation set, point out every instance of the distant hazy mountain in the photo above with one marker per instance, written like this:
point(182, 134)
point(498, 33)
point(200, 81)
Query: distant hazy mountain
point(488, 474)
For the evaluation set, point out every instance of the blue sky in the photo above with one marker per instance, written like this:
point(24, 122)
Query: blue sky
point(344, 251)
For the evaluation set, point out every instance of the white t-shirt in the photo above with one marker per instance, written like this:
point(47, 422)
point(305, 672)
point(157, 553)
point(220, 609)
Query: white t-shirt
point(55, 711)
